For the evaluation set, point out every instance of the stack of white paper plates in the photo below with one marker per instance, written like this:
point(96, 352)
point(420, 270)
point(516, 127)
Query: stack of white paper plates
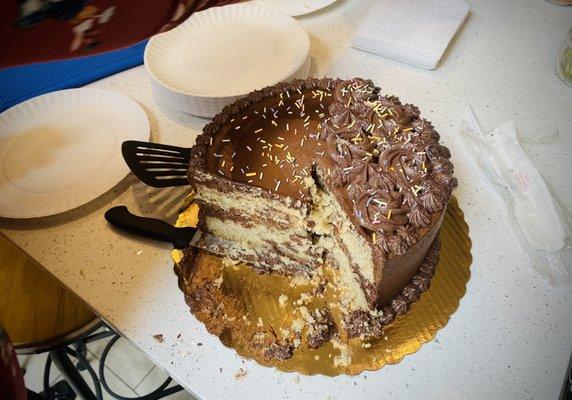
point(223, 53)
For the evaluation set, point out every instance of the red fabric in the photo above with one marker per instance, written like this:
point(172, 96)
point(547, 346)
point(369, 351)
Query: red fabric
point(11, 379)
point(53, 39)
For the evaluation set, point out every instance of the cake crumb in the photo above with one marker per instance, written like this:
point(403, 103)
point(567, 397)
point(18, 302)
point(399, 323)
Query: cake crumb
point(316, 357)
point(299, 280)
point(298, 325)
point(344, 359)
point(282, 300)
point(159, 338)
point(240, 374)
point(306, 315)
point(228, 262)
point(304, 298)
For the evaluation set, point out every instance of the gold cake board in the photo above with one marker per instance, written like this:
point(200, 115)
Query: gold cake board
point(247, 303)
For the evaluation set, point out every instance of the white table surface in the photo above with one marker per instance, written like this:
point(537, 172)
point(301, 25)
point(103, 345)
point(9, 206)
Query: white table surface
point(510, 338)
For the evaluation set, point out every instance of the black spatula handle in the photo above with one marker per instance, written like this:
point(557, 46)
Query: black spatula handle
point(150, 228)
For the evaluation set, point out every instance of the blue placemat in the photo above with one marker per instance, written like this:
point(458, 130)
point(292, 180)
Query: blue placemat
point(23, 82)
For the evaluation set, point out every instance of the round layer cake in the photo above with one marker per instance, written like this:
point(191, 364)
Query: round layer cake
point(327, 175)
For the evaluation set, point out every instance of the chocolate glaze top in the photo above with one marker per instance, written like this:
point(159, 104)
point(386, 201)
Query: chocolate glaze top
point(382, 159)
point(273, 143)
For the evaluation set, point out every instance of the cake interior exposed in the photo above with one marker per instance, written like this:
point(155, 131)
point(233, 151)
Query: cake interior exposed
point(326, 178)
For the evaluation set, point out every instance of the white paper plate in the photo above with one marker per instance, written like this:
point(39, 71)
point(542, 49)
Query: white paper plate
point(227, 52)
point(295, 7)
point(63, 149)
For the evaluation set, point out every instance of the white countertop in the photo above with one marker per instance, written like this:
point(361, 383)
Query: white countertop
point(512, 334)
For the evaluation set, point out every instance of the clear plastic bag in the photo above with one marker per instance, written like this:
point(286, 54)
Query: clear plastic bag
point(540, 221)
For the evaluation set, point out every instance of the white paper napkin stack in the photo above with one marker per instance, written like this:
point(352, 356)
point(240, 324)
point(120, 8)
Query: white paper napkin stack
point(416, 32)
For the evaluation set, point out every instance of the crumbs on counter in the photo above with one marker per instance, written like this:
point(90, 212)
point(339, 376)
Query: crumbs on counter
point(159, 338)
point(240, 374)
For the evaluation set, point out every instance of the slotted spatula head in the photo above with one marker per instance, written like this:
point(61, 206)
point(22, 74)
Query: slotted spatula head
point(157, 165)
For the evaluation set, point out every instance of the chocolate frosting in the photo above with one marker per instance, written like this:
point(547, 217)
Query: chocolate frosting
point(361, 322)
point(389, 162)
point(381, 157)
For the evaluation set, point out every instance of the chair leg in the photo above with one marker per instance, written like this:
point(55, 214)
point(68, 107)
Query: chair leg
point(81, 355)
point(58, 391)
point(70, 370)
point(62, 361)
point(34, 395)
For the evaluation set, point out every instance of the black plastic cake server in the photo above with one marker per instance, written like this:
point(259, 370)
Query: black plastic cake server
point(150, 228)
point(158, 165)
point(155, 229)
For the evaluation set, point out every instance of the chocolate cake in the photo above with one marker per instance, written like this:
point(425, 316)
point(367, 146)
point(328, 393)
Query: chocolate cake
point(327, 174)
